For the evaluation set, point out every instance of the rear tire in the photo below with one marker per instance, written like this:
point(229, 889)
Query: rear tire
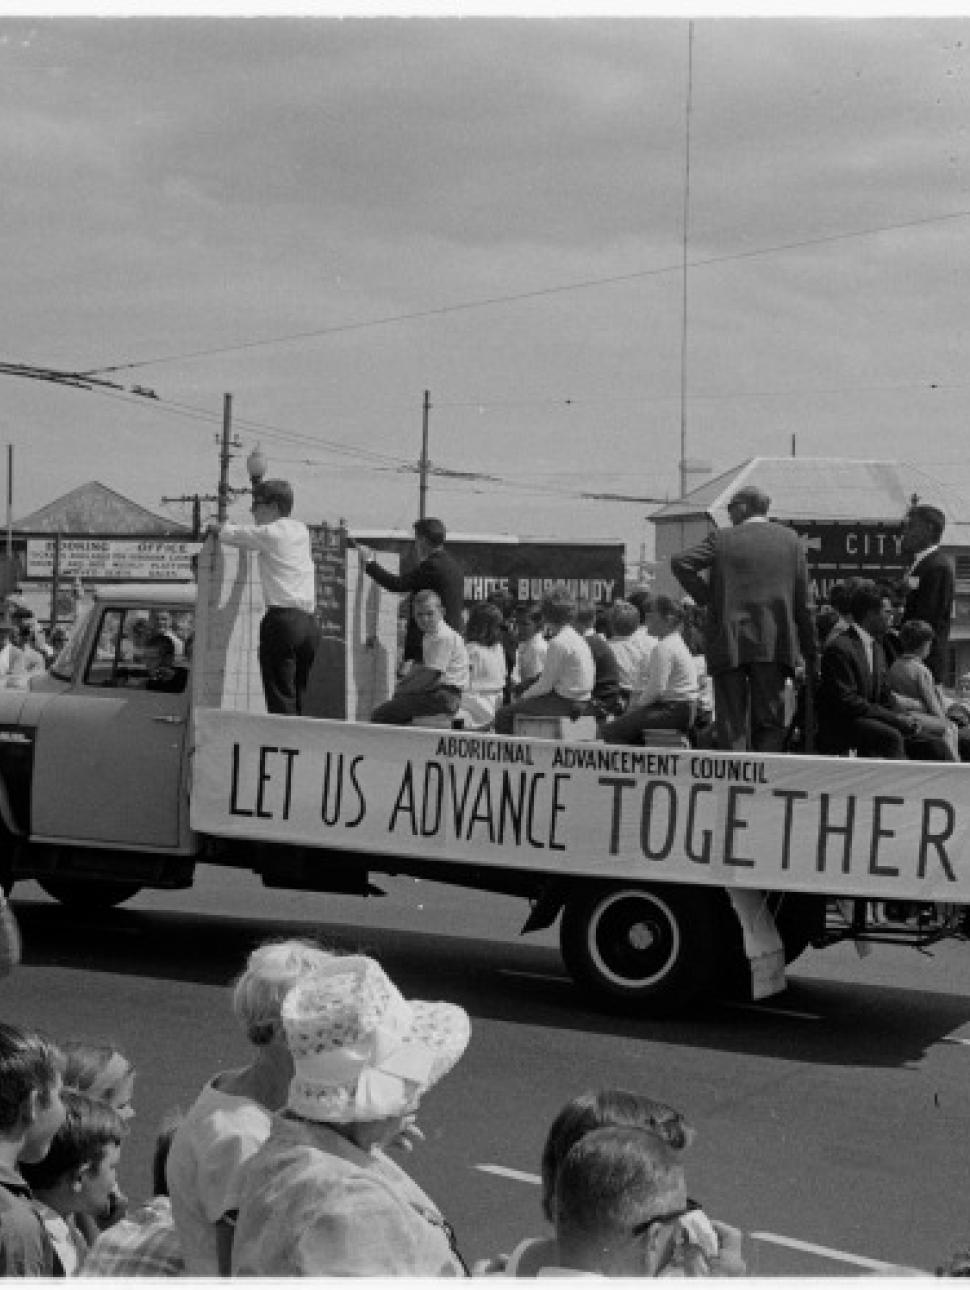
point(653, 949)
point(89, 893)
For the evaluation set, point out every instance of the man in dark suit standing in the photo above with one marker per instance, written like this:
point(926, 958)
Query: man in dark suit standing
point(435, 570)
point(856, 708)
point(759, 625)
point(929, 581)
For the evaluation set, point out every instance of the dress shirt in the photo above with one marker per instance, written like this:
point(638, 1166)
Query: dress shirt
point(285, 564)
point(569, 670)
point(444, 650)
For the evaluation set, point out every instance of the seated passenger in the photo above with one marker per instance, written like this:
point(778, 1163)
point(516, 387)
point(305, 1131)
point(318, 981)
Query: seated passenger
point(666, 686)
point(631, 643)
point(532, 647)
point(159, 660)
point(432, 687)
point(566, 685)
point(606, 687)
point(487, 666)
point(856, 707)
point(910, 678)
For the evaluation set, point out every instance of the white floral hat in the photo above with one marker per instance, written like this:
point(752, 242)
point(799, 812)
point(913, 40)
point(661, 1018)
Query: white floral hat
point(360, 1050)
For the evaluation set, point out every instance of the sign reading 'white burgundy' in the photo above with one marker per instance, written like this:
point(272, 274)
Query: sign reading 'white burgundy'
point(886, 830)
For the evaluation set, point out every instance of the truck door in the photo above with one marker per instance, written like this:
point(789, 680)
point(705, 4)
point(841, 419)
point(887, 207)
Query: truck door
point(108, 759)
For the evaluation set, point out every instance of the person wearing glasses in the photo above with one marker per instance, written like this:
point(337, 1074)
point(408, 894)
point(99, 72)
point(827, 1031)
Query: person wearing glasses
point(622, 1210)
point(289, 635)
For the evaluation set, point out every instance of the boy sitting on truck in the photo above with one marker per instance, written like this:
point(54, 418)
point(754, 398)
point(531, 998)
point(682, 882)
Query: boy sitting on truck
point(565, 686)
point(432, 687)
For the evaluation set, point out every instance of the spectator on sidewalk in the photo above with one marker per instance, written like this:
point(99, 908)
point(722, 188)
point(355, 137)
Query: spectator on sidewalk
point(78, 1178)
point(231, 1117)
point(31, 1112)
point(321, 1197)
point(145, 1242)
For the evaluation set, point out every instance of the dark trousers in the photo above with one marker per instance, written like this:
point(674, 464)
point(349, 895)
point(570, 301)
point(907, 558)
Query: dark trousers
point(401, 709)
point(666, 714)
point(871, 737)
point(288, 640)
point(749, 708)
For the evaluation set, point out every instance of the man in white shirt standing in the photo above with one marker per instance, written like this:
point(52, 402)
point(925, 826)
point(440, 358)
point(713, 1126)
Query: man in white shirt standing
point(288, 634)
point(432, 687)
point(566, 684)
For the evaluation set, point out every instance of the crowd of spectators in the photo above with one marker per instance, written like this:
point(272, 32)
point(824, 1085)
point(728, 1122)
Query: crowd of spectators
point(286, 1166)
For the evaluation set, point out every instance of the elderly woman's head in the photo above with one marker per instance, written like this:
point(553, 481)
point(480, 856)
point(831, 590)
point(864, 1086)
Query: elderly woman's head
point(363, 1056)
point(271, 971)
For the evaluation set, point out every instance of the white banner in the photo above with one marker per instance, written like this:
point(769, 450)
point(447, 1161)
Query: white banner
point(98, 558)
point(850, 827)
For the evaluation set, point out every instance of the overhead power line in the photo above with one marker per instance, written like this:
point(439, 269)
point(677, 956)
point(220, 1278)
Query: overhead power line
point(486, 302)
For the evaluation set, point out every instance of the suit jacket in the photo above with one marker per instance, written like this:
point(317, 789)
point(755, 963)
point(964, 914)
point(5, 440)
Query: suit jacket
point(932, 600)
point(606, 687)
point(850, 690)
point(439, 572)
point(756, 595)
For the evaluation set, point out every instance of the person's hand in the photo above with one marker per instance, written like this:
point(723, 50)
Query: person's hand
point(365, 553)
point(408, 1136)
point(728, 1262)
point(490, 1267)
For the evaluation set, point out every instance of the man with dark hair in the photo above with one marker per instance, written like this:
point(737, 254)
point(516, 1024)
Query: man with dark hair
point(289, 635)
point(31, 1113)
point(606, 687)
point(435, 570)
point(753, 578)
point(621, 1210)
point(856, 707)
point(929, 581)
point(565, 685)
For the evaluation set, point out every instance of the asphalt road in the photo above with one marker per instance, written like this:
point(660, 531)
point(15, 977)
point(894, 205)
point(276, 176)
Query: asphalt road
point(832, 1120)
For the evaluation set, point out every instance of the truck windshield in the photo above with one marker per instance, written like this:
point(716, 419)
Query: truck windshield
point(66, 661)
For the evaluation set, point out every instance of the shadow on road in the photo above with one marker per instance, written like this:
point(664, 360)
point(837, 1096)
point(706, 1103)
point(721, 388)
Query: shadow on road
point(833, 1023)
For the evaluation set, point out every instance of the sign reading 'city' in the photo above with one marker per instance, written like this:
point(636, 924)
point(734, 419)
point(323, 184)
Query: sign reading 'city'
point(109, 558)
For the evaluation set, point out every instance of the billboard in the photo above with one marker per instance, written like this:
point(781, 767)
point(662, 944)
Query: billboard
point(112, 559)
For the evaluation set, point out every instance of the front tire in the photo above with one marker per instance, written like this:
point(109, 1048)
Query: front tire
point(88, 893)
point(653, 949)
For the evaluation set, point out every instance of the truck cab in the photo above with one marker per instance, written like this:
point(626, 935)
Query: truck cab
point(93, 752)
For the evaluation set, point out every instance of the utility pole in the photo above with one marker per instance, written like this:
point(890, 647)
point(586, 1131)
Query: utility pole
point(223, 489)
point(10, 507)
point(423, 466)
point(686, 232)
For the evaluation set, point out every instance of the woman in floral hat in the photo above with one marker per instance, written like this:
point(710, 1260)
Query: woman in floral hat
point(320, 1197)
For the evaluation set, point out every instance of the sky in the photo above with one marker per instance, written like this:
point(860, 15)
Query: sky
point(326, 217)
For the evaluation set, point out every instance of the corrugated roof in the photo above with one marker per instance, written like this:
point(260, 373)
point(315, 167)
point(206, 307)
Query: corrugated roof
point(95, 508)
point(826, 488)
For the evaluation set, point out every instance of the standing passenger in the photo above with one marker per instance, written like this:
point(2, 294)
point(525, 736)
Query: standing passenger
point(289, 634)
point(759, 625)
point(929, 582)
point(435, 571)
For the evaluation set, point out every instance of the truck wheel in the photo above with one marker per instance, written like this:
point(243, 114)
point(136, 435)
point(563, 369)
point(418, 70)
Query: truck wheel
point(89, 894)
point(799, 917)
point(654, 948)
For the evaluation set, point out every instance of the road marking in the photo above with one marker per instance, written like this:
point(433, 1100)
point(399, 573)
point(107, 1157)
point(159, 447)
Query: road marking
point(516, 1175)
point(533, 976)
point(839, 1256)
point(774, 1012)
